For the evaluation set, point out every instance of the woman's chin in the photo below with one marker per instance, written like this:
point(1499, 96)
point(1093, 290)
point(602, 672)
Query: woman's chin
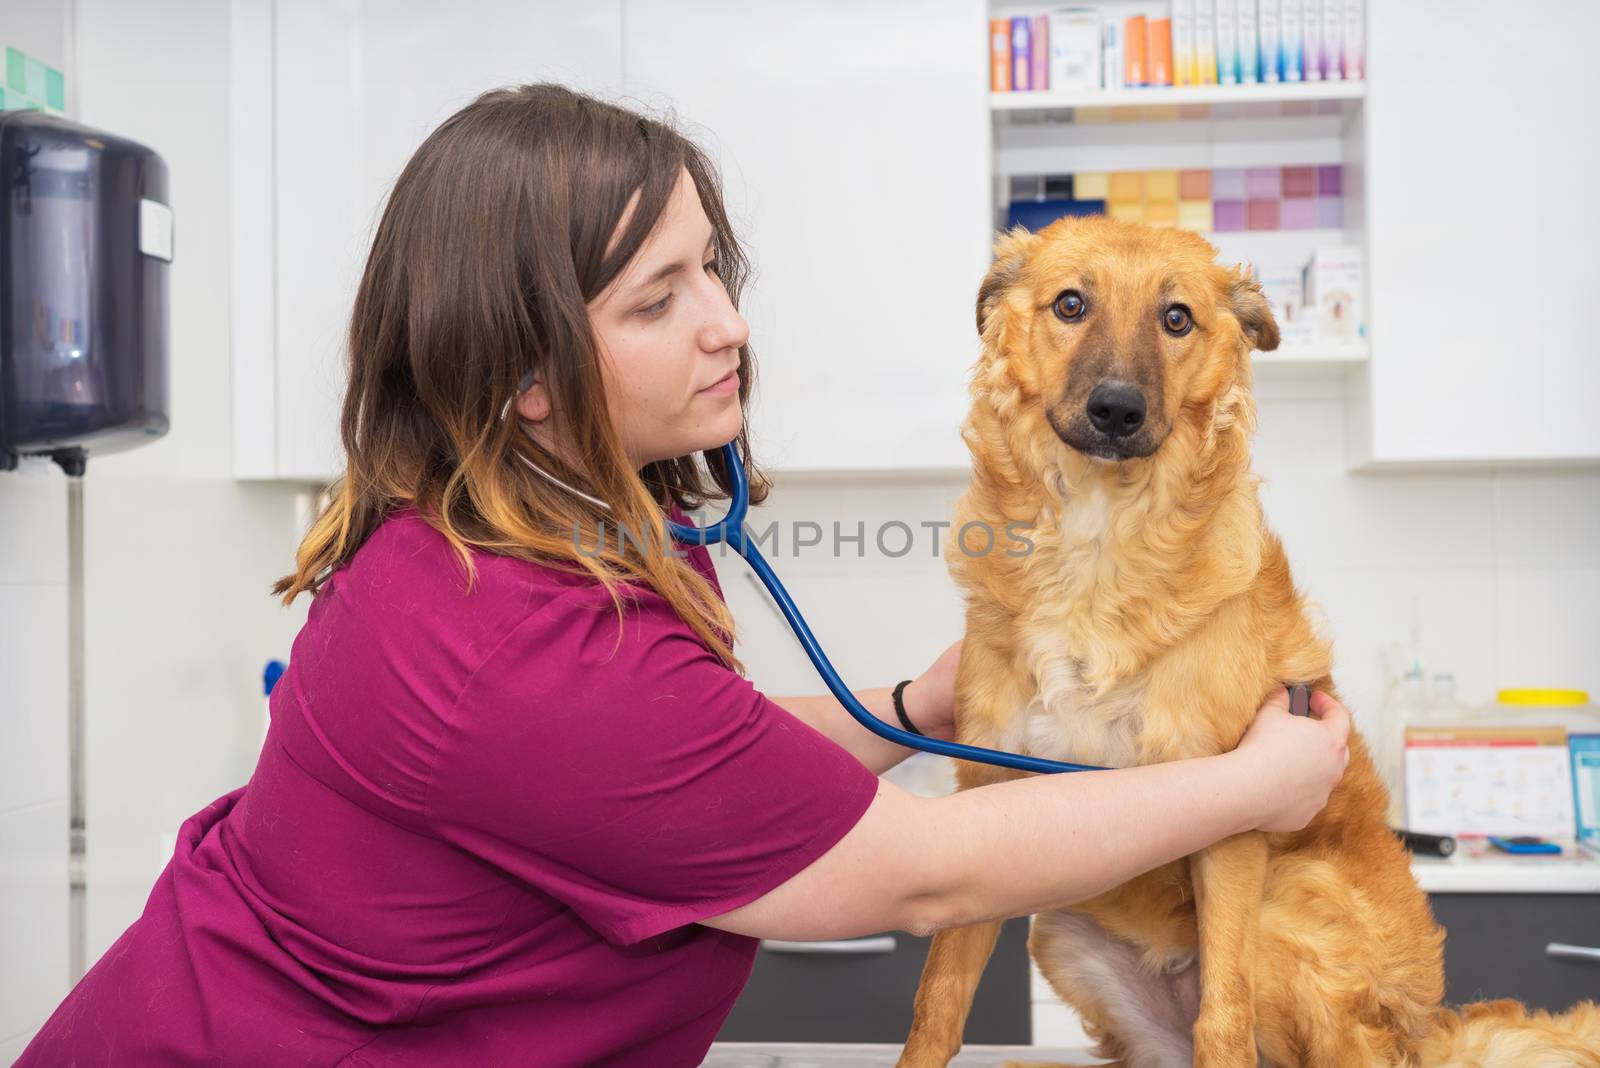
point(723, 430)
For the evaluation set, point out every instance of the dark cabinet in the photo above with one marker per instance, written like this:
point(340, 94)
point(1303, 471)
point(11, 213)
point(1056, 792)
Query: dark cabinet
point(1496, 947)
point(865, 993)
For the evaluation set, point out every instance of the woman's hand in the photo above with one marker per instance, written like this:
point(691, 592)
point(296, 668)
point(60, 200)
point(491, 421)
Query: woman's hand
point(1294, 761)
point(930, 700)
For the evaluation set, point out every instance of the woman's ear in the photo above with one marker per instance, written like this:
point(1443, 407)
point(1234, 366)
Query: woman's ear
point(533, 403)
point(1251, 309)
point(1010, 252)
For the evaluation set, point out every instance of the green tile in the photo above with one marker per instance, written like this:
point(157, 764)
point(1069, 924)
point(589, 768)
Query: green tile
point(16, 70)
point(55, 93)
point(35, 75)
point(2, 100)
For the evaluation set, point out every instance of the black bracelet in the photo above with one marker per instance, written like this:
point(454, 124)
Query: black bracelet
point(900, 708)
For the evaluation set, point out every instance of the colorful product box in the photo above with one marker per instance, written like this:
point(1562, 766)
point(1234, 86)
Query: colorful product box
point(1161, 185)
point(1194, 185)
point(1333, 281)
point(1298, 213)
point(1183, 63)
point(1039, 52)
point(1227, 184)
point(1021, 61)
point(1195, 215)
point(1263, 183)
point(1262, 214)
point(1227, 215)
point(1299, 181)
point(1000, 55)
point(1585, 750)
point(1127, 185)
point(1091, 186)
point(1158, 58)
point(1074, 36)
point(1134, 52)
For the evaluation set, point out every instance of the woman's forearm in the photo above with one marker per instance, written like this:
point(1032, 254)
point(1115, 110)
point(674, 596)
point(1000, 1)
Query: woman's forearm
point(827, 715)
point(1022, 846)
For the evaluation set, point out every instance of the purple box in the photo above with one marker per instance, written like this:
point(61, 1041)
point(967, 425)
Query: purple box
point(1227, 185)
point(1263, 183)
point(1330, 181)
point(1330, 213)
point(1227, 214)
point(1261, 214)
point(1298, 213)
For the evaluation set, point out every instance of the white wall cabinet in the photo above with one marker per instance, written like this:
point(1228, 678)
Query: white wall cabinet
point(854, 142)
point(1481, 157)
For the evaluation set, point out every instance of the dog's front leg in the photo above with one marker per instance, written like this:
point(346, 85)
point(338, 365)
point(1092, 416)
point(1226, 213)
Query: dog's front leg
point(1228, 881)
point(949, 980)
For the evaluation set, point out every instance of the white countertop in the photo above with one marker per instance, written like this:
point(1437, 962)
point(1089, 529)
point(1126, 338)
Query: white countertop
point(1576, 873)
point(830, 1055)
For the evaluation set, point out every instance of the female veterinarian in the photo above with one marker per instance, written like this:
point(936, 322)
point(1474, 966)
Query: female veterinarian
point(518, 805)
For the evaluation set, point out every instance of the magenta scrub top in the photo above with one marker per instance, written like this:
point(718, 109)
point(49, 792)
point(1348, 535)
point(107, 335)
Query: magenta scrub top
point(480, 833)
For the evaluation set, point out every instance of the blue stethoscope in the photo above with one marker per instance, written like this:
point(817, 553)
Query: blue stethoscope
point(731, 531)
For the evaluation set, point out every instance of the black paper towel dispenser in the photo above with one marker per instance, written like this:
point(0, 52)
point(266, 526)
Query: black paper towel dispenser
point(85, 250)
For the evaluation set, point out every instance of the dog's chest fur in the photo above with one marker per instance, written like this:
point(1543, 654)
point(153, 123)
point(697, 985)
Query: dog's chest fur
point(1067, 719)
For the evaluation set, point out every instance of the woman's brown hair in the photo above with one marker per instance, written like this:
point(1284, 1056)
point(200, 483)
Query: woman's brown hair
point(496, 237)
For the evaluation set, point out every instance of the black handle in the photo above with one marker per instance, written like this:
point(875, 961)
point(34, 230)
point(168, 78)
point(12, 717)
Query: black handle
point(1433, 845)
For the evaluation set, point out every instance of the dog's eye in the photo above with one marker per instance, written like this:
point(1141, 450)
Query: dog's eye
point(1069, 305)
point(1177, 320)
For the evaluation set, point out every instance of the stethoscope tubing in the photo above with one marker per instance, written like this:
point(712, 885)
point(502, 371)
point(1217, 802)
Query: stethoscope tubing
point(731, 531)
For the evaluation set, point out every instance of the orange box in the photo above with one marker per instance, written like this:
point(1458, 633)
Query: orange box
point(1000, 55)
point(1133, 51)
point(1161, 212)
point(1161, 185)
point(1194, 185)
point(1127, 210)
point(1158, 52)
point(1127, 185)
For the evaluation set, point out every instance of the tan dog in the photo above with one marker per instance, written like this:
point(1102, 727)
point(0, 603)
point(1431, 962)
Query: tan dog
point(1111, 414)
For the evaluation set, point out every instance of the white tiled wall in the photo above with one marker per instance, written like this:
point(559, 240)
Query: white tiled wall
point(33, 680)
point(178, 555)
point(33, 751)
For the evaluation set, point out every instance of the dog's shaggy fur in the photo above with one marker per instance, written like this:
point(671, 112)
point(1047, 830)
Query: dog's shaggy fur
point(1153, 614)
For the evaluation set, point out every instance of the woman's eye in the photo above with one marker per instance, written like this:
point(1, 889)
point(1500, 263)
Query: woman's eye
point(1177, 320)
point(658, 307)
point(1069, 305)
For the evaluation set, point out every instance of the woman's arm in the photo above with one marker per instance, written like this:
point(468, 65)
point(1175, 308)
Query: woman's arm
point(1014, 848)
point(929, 701)
point(827, 715)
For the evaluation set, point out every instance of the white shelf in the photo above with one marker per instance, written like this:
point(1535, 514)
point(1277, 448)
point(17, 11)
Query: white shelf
point(1173, 96)
point(1577, 873)
point(1311, 356)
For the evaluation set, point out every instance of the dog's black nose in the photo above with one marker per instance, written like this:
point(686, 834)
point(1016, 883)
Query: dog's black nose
point(1116, 409)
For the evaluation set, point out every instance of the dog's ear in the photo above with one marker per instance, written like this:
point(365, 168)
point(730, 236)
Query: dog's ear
point(1010, 251)
point(1250, 308)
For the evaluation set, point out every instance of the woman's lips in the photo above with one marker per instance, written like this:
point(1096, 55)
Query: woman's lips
point(728, 383)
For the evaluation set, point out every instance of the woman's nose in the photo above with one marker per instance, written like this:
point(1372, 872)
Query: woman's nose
point(724, 327)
